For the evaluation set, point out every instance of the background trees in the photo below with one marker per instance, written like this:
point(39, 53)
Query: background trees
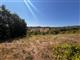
point(54, 30)
point(11, 25)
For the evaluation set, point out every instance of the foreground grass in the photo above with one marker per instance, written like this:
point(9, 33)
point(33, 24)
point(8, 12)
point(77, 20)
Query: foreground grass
point(42, 47)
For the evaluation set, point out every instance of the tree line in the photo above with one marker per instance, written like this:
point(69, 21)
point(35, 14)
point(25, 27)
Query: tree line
point(11, 25)
point(53, 30)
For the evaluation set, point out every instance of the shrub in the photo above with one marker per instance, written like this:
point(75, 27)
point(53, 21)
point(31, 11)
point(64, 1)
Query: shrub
point(67, 52)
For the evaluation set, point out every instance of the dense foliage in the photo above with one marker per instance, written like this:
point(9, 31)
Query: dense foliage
point(11, 25)
point(67, 51)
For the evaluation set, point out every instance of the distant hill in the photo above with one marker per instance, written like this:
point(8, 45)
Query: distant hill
point(38, 27)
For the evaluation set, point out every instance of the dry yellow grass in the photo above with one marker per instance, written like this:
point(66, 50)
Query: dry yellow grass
point(37, 47)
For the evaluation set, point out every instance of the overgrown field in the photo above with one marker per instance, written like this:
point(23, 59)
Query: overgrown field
point(42, 47)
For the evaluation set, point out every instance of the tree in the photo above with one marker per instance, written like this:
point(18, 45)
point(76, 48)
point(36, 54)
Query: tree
point(11, 25)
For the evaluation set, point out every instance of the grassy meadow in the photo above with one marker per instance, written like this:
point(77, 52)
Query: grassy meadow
point(42, 47)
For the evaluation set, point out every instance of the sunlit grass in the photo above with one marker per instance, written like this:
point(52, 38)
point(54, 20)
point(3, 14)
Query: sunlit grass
point(42, 47)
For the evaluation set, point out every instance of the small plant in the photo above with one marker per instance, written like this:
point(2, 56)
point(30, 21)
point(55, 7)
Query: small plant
point(29, 56)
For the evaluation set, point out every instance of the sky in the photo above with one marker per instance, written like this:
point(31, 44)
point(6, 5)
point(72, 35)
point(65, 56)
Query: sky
point(46, 12)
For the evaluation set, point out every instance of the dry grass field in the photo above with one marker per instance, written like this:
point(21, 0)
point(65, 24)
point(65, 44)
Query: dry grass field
point(42, 47)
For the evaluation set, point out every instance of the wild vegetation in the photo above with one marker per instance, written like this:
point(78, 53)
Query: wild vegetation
point(42, 47)
point(67, 51)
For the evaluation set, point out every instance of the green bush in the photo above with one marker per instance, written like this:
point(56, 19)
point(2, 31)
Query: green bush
point(67, 52)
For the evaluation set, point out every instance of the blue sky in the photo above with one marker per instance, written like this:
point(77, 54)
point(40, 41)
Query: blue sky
point(46, 12)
